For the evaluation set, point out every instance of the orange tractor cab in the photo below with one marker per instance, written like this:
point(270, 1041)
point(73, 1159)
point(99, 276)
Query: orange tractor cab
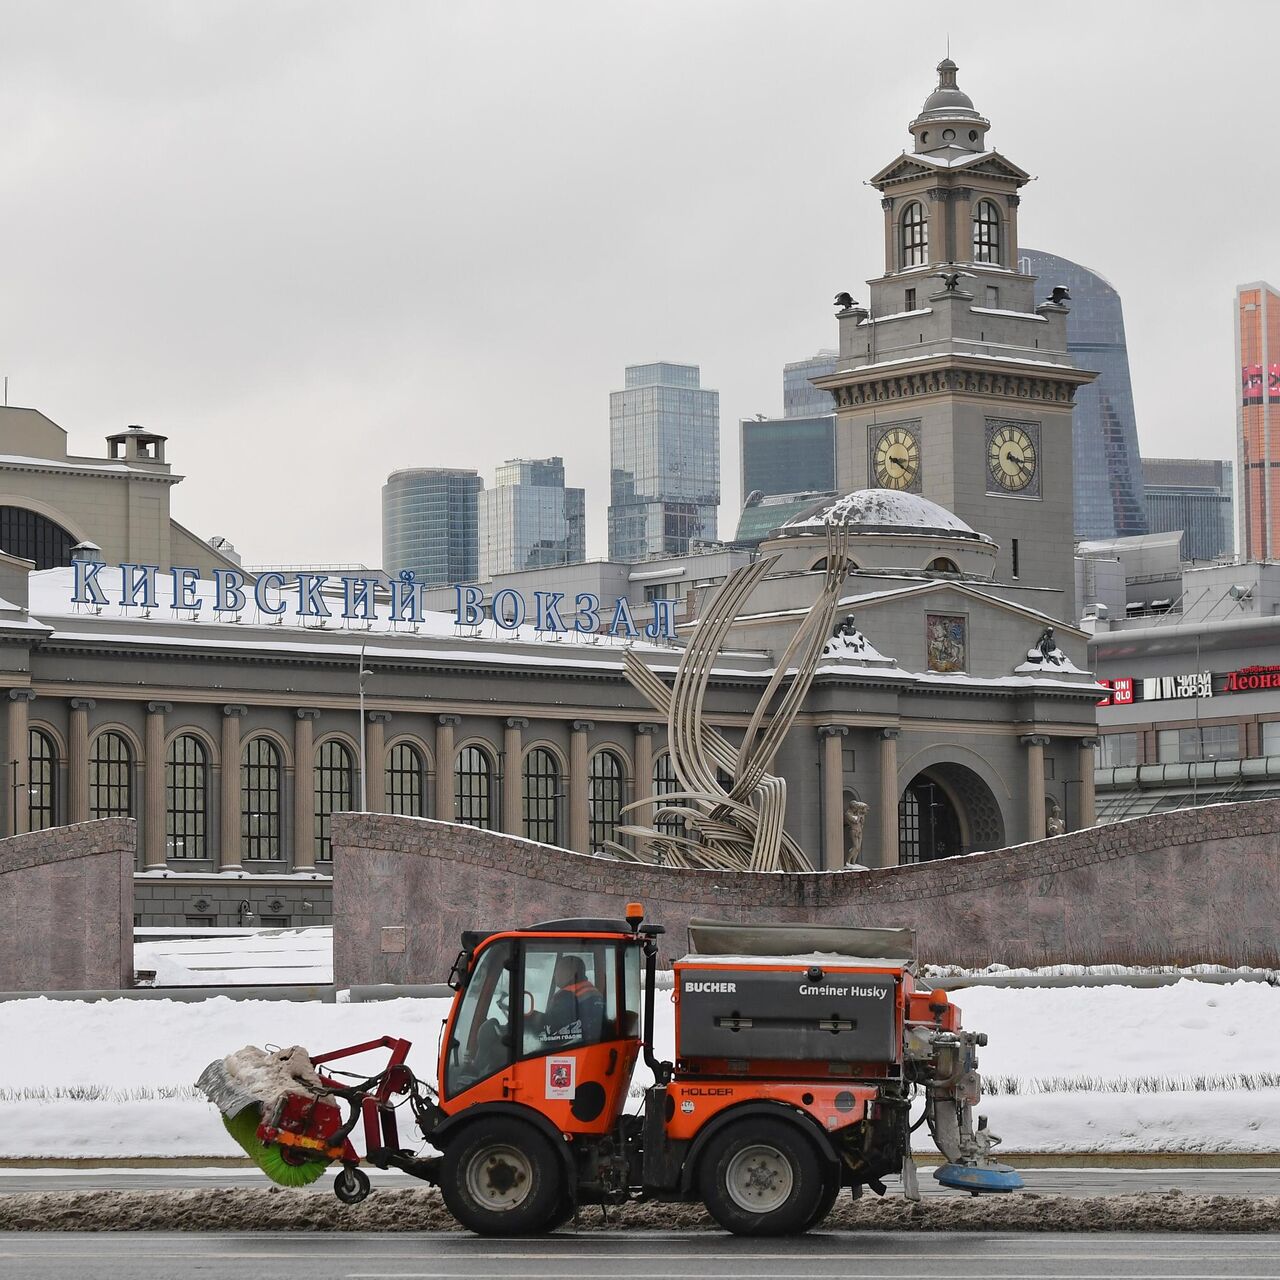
point(798, 1052)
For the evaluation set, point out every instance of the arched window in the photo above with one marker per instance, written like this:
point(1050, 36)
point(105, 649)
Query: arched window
point(42, 768)
point(986, 232)
point(406, 781)
point(110, 777)
point(186, 793)
point(260, 778)
point(915, 235)
point(604, 798)
point(664, 783)
point(335, 791)
point(473, 788)
point(35, 537)
point(942, 565)
point(541, 795)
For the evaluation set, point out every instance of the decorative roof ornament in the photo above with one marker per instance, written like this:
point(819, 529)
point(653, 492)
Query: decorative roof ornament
point(948, 121)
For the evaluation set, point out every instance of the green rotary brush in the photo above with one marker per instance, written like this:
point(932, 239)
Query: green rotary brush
point(277, 1162)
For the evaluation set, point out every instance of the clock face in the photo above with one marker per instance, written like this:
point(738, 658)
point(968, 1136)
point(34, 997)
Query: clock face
point(897, 458)
point(1011, 455)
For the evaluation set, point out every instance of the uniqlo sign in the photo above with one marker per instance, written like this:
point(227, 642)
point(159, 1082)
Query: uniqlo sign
point(1121, 694)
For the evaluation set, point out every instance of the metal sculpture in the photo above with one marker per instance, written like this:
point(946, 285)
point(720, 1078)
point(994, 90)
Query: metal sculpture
point(730, 806)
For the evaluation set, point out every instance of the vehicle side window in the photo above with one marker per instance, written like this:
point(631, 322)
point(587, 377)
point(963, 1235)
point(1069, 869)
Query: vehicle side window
point(570, 995)
point(482, 1040)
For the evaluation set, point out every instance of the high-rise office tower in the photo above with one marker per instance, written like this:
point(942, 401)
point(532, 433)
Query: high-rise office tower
point(529, 520)
point(664, 453)
point(797, 452)
point(429, 524)
point(800, 398)
point(1257, 422)
point(1108, 465)
point(1194, 495)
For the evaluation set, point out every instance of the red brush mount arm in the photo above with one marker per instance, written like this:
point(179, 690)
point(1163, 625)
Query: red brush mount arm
point(381, 1136)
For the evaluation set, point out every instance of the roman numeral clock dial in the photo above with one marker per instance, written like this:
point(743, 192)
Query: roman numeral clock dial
point(896, 459)
point(1011, 456)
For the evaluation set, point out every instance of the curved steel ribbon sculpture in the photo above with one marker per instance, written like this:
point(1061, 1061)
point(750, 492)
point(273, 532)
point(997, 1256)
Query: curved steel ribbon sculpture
point(729, 805)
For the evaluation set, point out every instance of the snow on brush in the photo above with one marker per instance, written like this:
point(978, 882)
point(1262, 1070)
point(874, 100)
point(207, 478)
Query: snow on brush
point(1185, 1068)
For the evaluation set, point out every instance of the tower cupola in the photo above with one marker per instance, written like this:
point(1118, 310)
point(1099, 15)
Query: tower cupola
point(948, 124)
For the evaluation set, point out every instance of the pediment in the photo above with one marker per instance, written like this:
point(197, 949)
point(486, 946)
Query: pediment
point(987, 164)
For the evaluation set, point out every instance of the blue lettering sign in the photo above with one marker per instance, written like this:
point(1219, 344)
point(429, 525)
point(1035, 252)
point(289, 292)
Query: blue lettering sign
point(274, 581)
point(588, 607)
point(547, 607)
point(406, 594)
point(663, 625)
point(87, 590)
point(310, 602)
point(186, 589)
point(468, 612)
point(135, 578)
point(227, 593)
point(357, 597)
point(622, 618)
point(512, 619)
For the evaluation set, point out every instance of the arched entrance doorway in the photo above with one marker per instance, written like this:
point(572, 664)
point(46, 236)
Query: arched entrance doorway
point(946, 810)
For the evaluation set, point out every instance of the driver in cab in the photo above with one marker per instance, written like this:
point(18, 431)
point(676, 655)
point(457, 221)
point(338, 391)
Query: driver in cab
point(575, 1012)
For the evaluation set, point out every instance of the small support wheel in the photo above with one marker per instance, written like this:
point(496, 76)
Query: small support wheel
point(351, 1185)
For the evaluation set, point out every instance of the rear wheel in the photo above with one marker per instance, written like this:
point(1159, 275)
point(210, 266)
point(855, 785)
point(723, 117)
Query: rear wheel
point(762, 1178)
point(501, 1177)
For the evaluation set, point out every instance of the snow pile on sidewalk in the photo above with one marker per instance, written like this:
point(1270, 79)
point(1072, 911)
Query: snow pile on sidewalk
point(113, 1078)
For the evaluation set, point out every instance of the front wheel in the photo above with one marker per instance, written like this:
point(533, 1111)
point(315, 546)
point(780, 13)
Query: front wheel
point(762, 1178)
point(500, 1177)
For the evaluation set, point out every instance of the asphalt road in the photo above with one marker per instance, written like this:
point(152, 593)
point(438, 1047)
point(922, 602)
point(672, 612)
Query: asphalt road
point(1071, 1182)
point(651, 1255)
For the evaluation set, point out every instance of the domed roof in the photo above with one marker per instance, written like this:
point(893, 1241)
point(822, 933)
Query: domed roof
point(881, 511)
point(948, 97)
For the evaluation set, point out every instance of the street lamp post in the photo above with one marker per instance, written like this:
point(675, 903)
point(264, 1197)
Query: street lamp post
point(364, 779)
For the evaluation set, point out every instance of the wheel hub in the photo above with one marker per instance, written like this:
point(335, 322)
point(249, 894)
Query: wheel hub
point(500, 1177)
point(759, 1179)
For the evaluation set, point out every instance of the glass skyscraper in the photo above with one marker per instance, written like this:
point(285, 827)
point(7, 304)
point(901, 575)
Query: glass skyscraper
point(1108, 467)
point(664, 454)
point(800, 398)
point(429, 524)
point(1257, 427)
point(1195, 496)
point(529, 520)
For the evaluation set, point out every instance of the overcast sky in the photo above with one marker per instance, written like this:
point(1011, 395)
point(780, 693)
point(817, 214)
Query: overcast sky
point(314, 242)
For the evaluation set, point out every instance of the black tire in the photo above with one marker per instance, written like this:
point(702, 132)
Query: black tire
point(501, 1177)
point(830, 1190)
point(351, 1185)
point(762, 1177)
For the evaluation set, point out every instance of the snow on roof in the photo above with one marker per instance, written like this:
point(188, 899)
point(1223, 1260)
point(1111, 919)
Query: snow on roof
point(882, 509)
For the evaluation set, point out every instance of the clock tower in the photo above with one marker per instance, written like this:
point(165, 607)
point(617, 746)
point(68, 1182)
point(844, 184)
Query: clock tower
point(955, 383)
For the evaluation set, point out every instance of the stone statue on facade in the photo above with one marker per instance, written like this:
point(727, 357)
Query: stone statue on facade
point(855, 822)
point(1054, 823)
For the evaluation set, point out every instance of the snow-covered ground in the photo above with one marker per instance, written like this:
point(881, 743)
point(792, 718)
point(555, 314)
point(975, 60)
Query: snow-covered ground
point(229, 957)
point(1078, 1069)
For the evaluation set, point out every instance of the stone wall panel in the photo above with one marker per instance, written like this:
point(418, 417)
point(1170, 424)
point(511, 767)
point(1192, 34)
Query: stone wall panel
point(1181, 887)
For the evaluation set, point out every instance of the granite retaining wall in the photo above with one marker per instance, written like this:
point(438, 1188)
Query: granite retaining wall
point(1195, 885)
point(66, 907)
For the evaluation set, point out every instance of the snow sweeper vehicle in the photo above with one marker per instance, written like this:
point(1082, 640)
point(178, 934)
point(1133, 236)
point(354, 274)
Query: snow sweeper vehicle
point(798, 1052)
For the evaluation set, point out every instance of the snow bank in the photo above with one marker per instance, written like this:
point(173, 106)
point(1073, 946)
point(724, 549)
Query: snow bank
point(1177, 1032)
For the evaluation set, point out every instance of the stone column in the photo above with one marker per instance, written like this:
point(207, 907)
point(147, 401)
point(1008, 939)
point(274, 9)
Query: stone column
point(890, 235)
point(888, 797)
point(19, 770)
point(512, 815)
point(939, 215)
point(78, 760)
point(445, 810)
point(375, 760)
point(832, 736)
point(304, 808)
point(1011, 233)
point(1088, 815)
point(228, 856)
point(579, 828)
point(154, 851)
point(642, 815)
point(961, 248)
point(1035, 744)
